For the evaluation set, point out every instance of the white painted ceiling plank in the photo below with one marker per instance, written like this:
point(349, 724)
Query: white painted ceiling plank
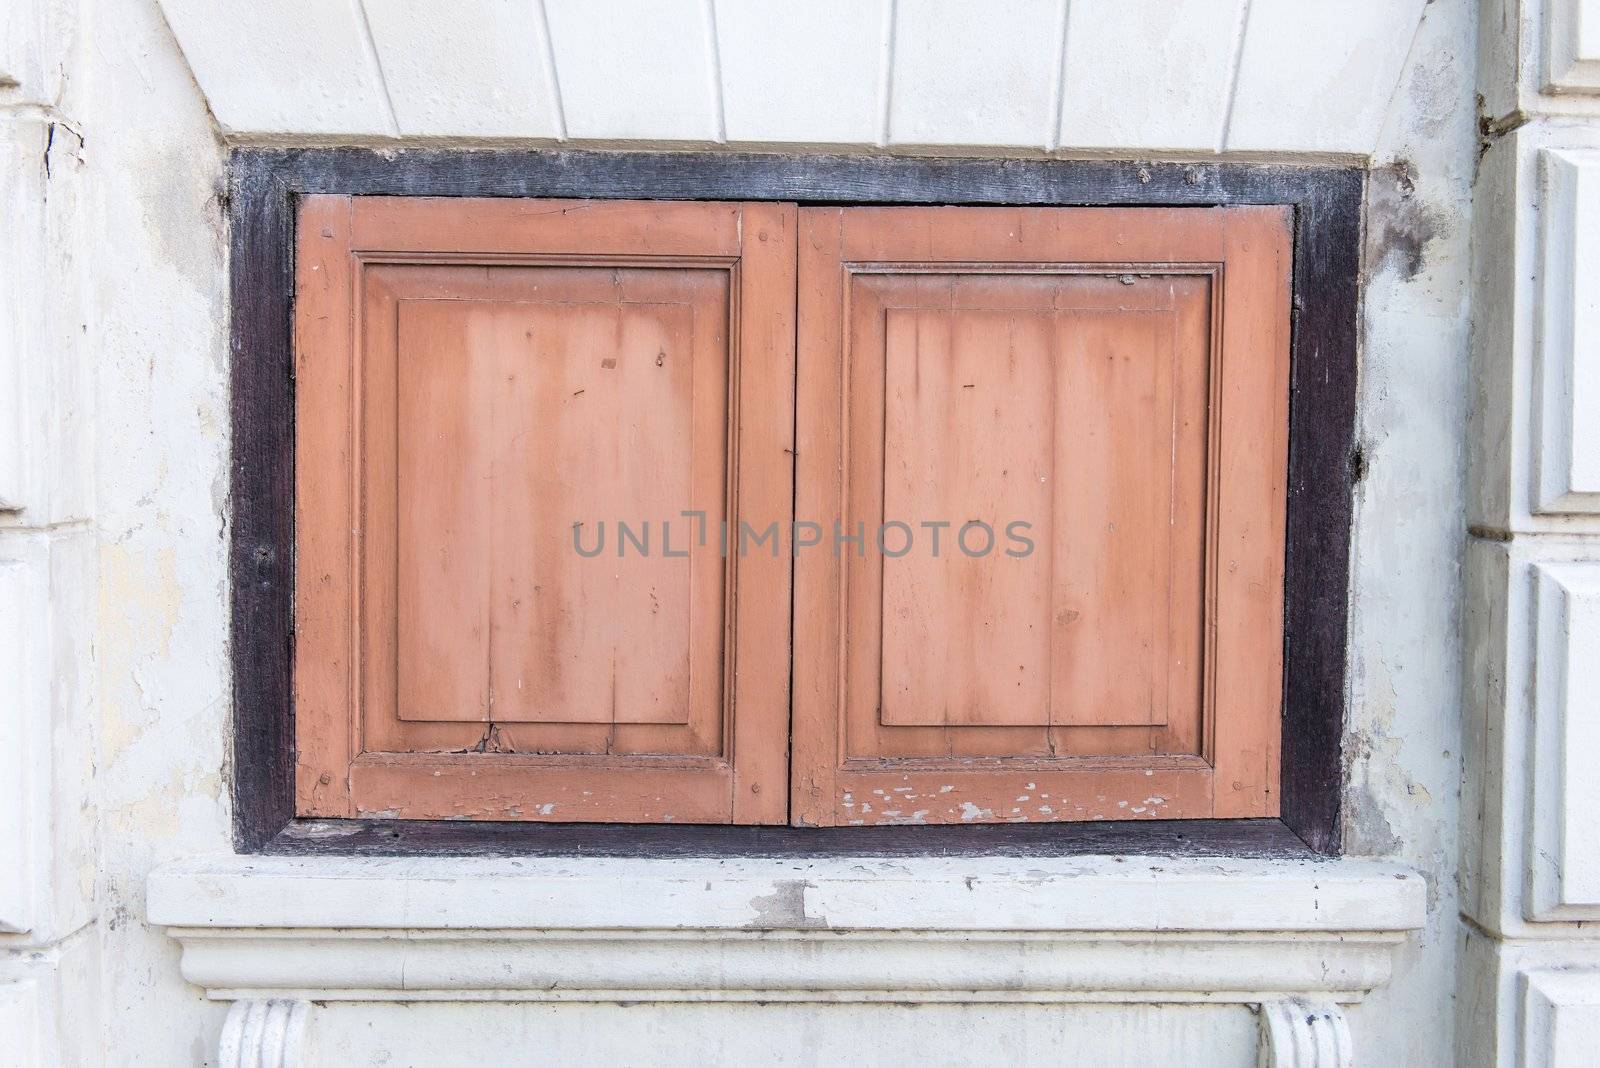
point(1148, 74)
point(1318, 77)
point(472, 68)
point(975, 74)
point(634, 70)
point(282, 66)
point(806, 73)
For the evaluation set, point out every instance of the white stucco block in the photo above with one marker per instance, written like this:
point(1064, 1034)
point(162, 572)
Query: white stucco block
point(1564, 863)
point(1539, 57)
point(1560, 1018)
point(1319, 77)
point(45, 382)
point(809, 73)
point(36, 38)
point(1148, 74)
point(19, 1023)
point(1567, 355)
point(636, 70)
point(1572, 46)
point(283, 66)
point(975, 74)
point(24, 610)
point(21, 238)
point(470, 68)
point(47, 612)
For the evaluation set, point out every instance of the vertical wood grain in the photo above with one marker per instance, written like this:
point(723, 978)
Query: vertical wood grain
point(445, 510)
point(817, 745)
point(518, 422)
point(967, 439)
point(1094, 413)
point(1253, 447)
point(764, 492)
point(502, 673)
point(325, 647)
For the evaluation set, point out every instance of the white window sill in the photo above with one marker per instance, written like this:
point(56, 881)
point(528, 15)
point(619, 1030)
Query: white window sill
point(825, 930)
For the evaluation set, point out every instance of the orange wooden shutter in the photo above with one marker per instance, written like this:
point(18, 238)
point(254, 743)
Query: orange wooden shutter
point(483, 387)
point(1117, 381)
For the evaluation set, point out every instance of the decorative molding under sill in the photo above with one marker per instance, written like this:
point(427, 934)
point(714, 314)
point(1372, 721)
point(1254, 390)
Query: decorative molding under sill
point(765, 966)
point(1296, 1033)
point(263, 1034)
point(1291, 938)
point(825, 930)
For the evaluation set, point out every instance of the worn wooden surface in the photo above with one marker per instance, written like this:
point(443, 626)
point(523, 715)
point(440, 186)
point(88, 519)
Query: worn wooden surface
point(480, 378)
point(1221, 838)
point(511, 430)
point(1327, 212)
point(327, 650)
point(1118, 379)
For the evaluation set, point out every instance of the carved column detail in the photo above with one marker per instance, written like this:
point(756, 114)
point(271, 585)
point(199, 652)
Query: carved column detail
point(1296, 1033)
point(263, 1033)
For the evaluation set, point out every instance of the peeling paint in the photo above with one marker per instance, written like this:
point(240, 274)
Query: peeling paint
point(1400, 224)
point(784, 908)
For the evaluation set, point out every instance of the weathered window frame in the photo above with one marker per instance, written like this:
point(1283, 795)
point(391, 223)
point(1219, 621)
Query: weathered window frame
point(1322, 468)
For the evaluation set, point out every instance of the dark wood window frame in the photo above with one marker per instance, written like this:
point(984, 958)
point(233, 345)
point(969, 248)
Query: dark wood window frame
point(263, 186)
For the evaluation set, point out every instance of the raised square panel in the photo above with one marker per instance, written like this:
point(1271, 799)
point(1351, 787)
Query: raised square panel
point(1567, 351)
point(522, 425)
point(562, 418)
point(1572, 46)
point(1564, 860)
point(1560, 1018)
point(1070, 590)
point(1056, 437)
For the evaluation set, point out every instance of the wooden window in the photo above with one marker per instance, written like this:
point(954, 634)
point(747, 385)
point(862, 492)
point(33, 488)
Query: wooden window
point(475, 378)
point(1030, 492)
point(1117, 381)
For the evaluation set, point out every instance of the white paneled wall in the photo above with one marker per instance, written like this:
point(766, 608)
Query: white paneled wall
point(503, 82)
point(272, 66)
point(633, 70)
point(975, 74)
point(1562, 1009)
point(1564, 855)
point(812, 73)
point(1116, 49)
point(47, 549)
point(1531, 992)
point(1185, 76)
point(1568, 348)
point(1299, 64)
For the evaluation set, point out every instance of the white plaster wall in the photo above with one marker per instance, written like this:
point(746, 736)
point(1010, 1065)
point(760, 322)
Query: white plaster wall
point(1403, 747)
point(790, 1036)
point(1001, 77)
point(152, 255)
point(153, 247)
point(48, 948)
